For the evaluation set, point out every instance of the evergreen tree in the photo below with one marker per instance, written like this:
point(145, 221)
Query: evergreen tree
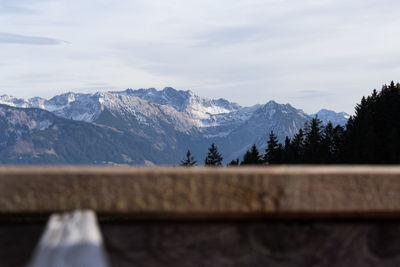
point(274, 151)
point(327, 145)
point(188, 161)
point(371, 136)
point(313, 141)
point(392, 150)
point(213, 158)
point(372, 133)
point(288, 151)
point(279, 155)
point(252, 157)
point(298, 147)
point(233, 163)
point(337, 146)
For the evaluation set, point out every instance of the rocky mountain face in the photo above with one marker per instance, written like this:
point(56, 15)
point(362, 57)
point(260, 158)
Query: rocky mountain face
point(331, 116)
point(35, 136)
point(139, 127)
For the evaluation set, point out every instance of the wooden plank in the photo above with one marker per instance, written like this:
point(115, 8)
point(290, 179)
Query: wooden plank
point(71, 240)
point(288, 243)
point(251, 243)
point(18, 239)
point(204, 192)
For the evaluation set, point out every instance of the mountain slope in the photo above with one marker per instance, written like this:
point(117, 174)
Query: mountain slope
point(161, 124)
point(34, 136)
point(326, 116)
point(284, 120)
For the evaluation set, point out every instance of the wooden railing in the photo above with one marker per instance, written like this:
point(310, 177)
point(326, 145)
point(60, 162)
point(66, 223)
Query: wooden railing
point(126, 198)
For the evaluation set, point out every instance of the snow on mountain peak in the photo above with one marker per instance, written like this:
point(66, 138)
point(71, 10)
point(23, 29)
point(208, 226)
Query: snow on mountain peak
point(14, 102)
point(201, 110)
point(181, 108)
point(326, 116)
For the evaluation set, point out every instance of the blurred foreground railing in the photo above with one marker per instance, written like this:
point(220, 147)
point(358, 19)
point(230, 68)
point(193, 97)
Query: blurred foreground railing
point(308, 209)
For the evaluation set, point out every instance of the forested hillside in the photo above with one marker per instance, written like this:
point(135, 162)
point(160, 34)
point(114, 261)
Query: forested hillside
point(371, 136)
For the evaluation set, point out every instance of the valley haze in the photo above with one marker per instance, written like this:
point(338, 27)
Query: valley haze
point(140, 127)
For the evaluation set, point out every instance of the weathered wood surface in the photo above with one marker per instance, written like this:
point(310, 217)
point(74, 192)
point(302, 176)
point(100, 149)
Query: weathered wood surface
point(263, 243)
point(71, 240)
point(18, 239)
point(203, 192)
point(344, 243)
point(269, 243)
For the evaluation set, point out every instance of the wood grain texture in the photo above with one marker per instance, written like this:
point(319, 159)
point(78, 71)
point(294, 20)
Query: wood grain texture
point(204, 192)
point(311, 243)
point(233, 244)
point(18, 239)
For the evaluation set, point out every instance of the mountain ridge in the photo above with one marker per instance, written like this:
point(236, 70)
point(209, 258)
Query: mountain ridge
point(200, 108)
point(171, 121)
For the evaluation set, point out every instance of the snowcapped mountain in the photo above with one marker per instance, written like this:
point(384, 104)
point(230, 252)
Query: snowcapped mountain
point(81, 107)
point(36, 136)
point(172, 121)
point(331, 116)
point(183, 100)
point(87, 107)
point(197, 111)
point(284, 120)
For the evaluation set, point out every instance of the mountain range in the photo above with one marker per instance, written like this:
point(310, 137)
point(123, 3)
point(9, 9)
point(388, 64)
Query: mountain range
point(143, 126)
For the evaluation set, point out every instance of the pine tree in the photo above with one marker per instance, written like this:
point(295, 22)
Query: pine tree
point(393, 149)
point(312, 142)
point(337, 146)
point(188, 161)
point(327, 144)
point(288, 152)
point(252, 157)
point(233, 163)
point(372, 133)
point(213, 158)
point(274, 151)
point(298, 147)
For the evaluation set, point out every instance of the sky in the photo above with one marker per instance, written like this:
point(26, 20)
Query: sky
point(312, 54)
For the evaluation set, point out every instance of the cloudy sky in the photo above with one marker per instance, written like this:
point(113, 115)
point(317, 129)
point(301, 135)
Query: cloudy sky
point(310, 53)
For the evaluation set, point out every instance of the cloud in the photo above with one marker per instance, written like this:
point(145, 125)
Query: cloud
point(15, 7)
point(230, 35)
point(312, 54)
point(9, 38)
point(311, 94)
point(15, 10)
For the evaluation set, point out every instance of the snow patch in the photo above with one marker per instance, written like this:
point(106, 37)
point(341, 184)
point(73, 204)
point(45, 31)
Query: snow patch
point(222, 134)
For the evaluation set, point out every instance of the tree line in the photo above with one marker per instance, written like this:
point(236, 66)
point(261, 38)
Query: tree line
point(371, 136)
